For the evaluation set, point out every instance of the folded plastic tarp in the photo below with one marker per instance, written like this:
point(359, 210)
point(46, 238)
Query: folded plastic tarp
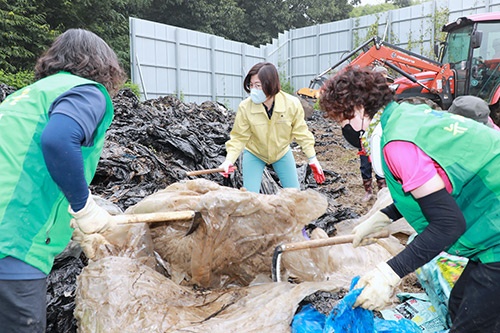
point(119, 294)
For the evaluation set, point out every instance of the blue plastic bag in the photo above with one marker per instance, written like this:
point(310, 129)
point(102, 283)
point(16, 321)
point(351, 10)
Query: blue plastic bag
point(402, 325)
point(345, 318)
point(308, 320)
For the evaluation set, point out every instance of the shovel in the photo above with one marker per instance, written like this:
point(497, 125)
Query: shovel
point(195, 218)
point(206, 171)
point(310, 244)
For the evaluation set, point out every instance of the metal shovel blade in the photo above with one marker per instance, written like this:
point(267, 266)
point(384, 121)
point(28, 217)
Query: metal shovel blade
point(310, 244)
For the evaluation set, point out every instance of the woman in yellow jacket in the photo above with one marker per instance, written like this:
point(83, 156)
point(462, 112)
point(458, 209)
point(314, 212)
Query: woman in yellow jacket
point(265, 125)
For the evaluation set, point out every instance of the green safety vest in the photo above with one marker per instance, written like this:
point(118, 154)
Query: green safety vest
point(469, 153)
point(34, 218)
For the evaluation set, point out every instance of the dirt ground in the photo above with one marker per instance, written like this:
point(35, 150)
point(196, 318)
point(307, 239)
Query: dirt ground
point(338, 156)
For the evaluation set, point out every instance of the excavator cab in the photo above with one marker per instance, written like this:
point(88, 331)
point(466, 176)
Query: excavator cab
point(472, 49)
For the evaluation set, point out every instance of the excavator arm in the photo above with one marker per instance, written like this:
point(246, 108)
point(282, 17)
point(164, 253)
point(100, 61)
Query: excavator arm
point(406, 63)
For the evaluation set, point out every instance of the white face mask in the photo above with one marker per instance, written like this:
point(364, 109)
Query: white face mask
point(257, 96)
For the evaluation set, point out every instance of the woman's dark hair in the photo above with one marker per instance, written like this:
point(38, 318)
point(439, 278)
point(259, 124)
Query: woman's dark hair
point(268, 76)
point(85, 54)
point(354, 87)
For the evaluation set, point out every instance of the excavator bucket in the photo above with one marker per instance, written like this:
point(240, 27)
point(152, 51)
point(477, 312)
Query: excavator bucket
point(308, 93)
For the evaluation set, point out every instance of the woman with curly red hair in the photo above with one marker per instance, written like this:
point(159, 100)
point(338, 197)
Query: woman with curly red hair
point(447, 189)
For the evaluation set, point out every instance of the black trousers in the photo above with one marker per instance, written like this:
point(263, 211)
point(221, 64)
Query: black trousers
point(365, 166)
point(23, 307)
point(474, 303)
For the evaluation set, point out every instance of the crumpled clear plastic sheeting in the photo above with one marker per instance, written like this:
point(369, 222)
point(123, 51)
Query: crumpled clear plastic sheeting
point(239, 233)
point(339, 261)
point(343, 261)
point(118, 294)
point(132, 241)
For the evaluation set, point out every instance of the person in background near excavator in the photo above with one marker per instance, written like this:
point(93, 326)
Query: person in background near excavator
point(265, 125)
point(446, 188)
point(51, 135)
point(352, 130)
point(473, 107)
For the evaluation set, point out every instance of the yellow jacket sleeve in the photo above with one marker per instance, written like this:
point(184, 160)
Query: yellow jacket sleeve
point(301, 132)
point(239, 136)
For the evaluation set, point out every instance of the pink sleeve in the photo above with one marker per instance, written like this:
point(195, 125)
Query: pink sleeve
point(409, 164)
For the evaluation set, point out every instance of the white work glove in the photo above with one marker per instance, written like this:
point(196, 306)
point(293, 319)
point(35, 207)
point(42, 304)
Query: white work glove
point(378, 285)
point(228, 168)
point(92, 218)
point(317, 170)
point(95, 246)
point(374, 223)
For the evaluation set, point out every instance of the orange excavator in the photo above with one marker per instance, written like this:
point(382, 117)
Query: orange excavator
point(467, 65)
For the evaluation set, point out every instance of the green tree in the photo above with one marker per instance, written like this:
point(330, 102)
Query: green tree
point(310, 12)
point(371, 9)
point(220, 17)
point(264, 20)
point(252, 22)
point(24, 35)
point(28, 27)
point(400, 3)
point(106, 18)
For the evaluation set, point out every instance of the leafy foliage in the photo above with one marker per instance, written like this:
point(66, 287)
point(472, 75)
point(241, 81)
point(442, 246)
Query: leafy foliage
point(371, 9)
point(286, 85)
point(24, 35)
point(312, 12)
point(251, 22)
point(400, 3)
point(17, 80)
point(134, 87)
point(106, 18)
point(28, 27)
point(220, 17)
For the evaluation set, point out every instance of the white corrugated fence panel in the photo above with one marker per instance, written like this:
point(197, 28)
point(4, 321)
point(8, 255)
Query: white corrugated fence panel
point(197, 66)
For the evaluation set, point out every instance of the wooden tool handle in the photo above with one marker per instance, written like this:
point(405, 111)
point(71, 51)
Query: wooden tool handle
point(331, 241)
point(206, 171)
point(154, 217)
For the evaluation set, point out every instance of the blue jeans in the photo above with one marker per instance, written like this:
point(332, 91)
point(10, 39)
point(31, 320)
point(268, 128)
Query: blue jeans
point(253, 168)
